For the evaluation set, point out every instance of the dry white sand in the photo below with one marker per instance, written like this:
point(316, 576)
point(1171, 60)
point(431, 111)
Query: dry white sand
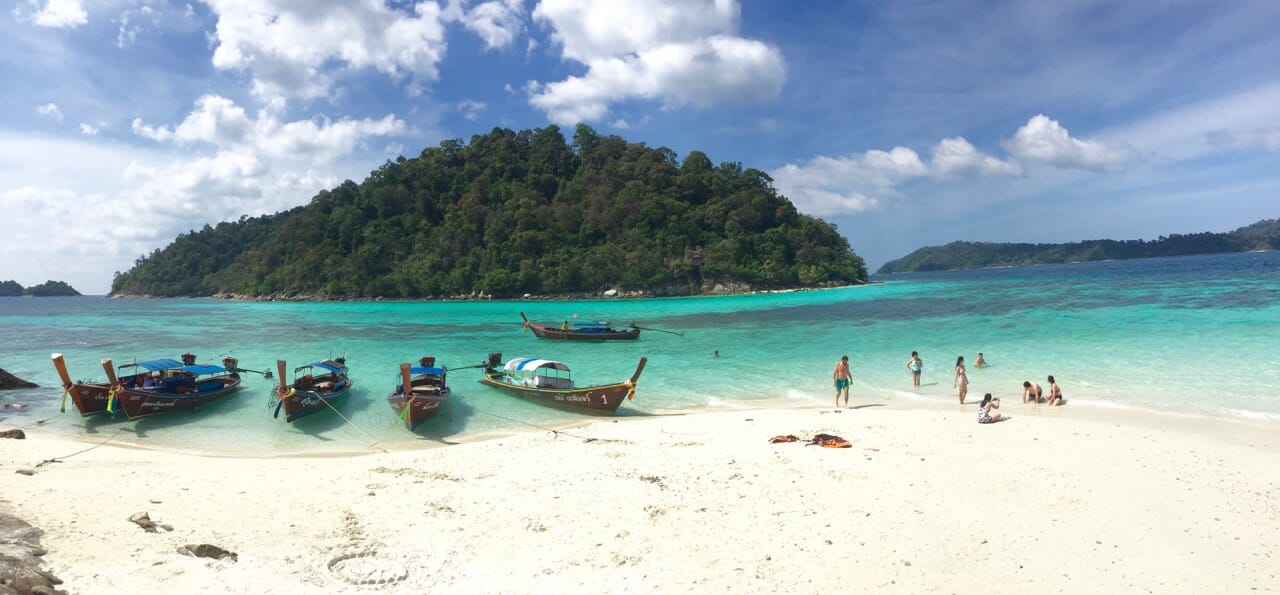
point(927, 500)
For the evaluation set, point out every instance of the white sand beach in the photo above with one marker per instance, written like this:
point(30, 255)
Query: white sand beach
point(927, 500)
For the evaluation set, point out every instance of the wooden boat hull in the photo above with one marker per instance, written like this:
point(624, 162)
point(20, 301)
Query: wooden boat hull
point(548, 332)
point(543, 331)
point(604, 399)
point(303, 403)
point(138, 403)
point(420, 407)
point(90, 398)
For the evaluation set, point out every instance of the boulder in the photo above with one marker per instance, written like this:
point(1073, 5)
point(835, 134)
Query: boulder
point(9, 381)
point(20, 563)
point(17, 434)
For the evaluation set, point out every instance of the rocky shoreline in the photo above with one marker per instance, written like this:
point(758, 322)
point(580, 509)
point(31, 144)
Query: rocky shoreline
point(708, 289)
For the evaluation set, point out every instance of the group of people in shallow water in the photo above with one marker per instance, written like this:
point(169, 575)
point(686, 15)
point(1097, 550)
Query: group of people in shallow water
point(1031, 392)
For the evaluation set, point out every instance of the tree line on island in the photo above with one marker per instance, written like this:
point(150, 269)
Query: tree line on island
point(1263, 235)
point(12, 288)
point(512, 213)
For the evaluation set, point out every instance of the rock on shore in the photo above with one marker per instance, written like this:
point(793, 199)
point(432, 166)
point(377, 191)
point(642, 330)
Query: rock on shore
point(9, 381)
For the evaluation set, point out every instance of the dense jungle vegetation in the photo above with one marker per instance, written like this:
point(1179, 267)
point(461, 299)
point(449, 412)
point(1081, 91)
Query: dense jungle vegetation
point(512, 213)
point(1263, 235)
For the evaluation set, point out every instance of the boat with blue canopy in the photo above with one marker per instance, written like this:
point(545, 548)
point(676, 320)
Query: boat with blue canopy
point(551, 382)
point(582, 331)
point(422, 392)
point(152, 387)
point(316, 386)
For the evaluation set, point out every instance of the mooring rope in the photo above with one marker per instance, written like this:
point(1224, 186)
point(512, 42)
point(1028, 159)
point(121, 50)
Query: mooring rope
point(352, 424)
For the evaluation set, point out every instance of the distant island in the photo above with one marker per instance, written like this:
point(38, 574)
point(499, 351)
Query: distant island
point(509, 214)
point(1263, 235)
point(48, 288)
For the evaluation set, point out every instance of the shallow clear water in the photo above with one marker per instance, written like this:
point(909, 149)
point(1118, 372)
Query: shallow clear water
point(1197, 335)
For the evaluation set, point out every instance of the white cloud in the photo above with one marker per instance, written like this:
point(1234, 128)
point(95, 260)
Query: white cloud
point(828, 186)
point(88, 129)
point(471, 109)
point(1044, 139)
point(674, 52)
point(293, 47)
point(50, 110)
point(226, 163)
point(67, 14)
point(954, 155)
point(621, 124)
point(496, 22)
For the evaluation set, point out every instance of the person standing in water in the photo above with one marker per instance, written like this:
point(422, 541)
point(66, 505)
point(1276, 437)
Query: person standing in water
point(914, 365)
point(961, 380)
point(843, 379)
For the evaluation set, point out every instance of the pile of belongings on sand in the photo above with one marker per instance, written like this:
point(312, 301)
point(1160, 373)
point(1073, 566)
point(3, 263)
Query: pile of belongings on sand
point(823, 440)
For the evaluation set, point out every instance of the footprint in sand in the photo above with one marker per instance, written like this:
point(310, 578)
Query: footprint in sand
point(368, 567)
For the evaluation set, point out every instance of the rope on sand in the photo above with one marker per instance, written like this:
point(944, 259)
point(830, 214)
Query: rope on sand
point(374, 442)
point(59, 459)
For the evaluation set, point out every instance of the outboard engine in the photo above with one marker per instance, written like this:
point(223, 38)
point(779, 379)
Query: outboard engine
point(428, 362)
point(495, 360)
point(230, 363)
point(188, 359)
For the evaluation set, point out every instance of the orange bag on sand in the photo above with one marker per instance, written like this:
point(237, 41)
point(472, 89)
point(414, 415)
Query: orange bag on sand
point(829, 441)
point(787, 438)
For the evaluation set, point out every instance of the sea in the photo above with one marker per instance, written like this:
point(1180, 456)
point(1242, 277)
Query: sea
point(1194, 336)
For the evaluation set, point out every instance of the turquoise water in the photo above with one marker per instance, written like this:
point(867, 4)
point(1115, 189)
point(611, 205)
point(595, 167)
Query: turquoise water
point(1194, 335)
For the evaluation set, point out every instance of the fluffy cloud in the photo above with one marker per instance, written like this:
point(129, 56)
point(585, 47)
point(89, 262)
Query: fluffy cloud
point(828, 186)
point(497, 23)
point(293, 49)
point(471, 109)
point(217, 163)
point(52, 13)
point(88, 129)
point(50, 110)
point(674, 52)
point(1044, 139)
point(290, 47)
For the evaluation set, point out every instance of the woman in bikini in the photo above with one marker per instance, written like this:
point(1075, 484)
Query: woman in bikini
point(1055, 393)
point(961, 381)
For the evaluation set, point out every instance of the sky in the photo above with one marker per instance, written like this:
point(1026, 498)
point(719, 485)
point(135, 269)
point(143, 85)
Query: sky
point(906, 124)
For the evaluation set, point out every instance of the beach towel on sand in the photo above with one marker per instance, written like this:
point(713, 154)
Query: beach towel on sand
point(829, 441)
point(787, 438)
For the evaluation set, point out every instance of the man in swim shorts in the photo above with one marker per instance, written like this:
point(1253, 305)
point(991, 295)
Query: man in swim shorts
point(843, 378)
point(1031, 392)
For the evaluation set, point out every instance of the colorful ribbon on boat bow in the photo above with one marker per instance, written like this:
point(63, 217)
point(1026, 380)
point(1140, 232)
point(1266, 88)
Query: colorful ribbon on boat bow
point(631, 390)
point(111, 398)
point(66, 390)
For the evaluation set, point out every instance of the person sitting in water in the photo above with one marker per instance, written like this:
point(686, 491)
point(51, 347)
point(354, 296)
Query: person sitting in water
point(985, 415)
point(980, 363)
point(1055, 393)
point(1031, 392)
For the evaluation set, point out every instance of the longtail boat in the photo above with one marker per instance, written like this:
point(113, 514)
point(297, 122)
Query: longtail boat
point(582, 331)
point(422, 392)
point(89, 397)
point(316, 386)
point(163, 386)
point(550, 382)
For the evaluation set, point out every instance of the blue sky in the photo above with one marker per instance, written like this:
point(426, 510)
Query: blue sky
point(126, 122)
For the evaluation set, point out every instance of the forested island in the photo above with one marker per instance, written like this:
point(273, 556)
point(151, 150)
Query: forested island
point(514, 213)
point(1263, 235)
point(12, 288)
